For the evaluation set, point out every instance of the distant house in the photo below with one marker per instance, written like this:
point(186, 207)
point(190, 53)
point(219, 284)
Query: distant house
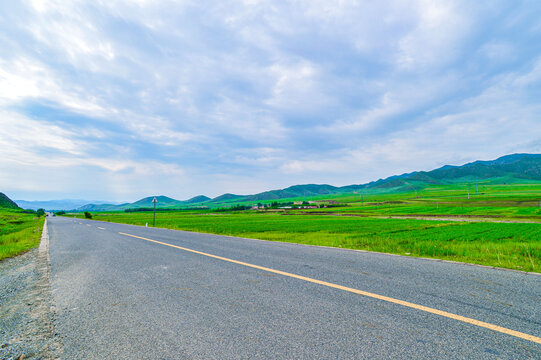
point(297, 203)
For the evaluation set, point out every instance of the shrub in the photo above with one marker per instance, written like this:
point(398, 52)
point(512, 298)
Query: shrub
point(88, 215)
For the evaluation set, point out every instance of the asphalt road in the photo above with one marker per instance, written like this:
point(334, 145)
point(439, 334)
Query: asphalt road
point(123, 297)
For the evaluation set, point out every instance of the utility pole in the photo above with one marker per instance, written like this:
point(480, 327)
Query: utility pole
point(476, 189)
point(468, 193)
point(362, 200)
point(154, 201)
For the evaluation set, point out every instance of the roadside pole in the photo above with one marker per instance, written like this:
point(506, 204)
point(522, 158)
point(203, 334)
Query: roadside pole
point(154, 201)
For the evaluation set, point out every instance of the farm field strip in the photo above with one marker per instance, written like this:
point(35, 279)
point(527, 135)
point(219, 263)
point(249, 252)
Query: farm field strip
point(507, 245)
point(517, 201)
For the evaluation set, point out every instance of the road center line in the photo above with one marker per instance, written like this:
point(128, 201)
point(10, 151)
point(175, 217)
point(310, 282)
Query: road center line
point(101, 228)
point(446, 314)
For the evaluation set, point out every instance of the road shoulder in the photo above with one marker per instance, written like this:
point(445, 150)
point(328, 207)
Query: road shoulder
point(26, 308)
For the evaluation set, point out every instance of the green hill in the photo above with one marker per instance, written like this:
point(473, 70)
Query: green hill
point(307, 190)
point(103, 207)
point(516, 168)
point(163, 201)
point(227, 197)
point(197, 199)
point(509, 168)
point(7, 203)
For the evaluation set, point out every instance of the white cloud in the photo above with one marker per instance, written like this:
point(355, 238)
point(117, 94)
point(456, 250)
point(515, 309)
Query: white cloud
point(437, 38)
point(310, 166)
point(498, 51)
point(297, 87)
point(21, 138)
point(530, 78)
point(29, 78)
point(258, 94)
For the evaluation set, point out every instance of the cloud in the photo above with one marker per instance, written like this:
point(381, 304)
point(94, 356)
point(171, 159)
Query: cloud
point(25, 79)
point(437, 38)
point(245, 96)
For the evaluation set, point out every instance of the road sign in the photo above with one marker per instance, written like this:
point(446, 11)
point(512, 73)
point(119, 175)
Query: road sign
point(154, 201)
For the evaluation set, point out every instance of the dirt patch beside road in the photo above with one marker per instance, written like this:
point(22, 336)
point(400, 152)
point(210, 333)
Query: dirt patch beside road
point(470, 218)
point(26, 311)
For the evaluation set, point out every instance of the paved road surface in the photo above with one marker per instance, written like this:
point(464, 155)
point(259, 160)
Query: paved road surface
point(124, 297)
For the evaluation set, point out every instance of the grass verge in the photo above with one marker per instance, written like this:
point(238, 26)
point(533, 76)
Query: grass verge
point(19, 232)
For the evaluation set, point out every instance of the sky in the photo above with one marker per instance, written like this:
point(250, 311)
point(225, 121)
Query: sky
point(118, 100)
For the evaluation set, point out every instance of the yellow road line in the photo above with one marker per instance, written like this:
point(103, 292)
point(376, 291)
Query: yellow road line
point(446, 314)
point(101, 228)
point(87, 224)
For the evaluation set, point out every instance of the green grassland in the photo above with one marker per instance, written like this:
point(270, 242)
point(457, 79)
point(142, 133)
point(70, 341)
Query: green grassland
point(509, 245)
point(19, 232)
point(503, 226)
point(511, 202)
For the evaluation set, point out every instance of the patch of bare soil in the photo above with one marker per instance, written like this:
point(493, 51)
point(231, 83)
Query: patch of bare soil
point(26, 308)
point(468, 218)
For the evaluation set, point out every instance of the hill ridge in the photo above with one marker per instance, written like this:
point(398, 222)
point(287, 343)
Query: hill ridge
point(7, 203)
point(512, 167)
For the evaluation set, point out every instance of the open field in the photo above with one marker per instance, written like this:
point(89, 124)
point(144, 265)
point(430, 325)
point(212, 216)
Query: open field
point(511, 201)
point(514, 202)
point(383, 223)
point(514, 246)
point(18, 232)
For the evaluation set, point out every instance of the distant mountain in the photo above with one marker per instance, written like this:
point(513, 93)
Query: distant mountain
point(227, 196)
point(7, 203)
point(65, 204)
point(102, 207)
point(163, 201)
point(197, 199)
point(307, 190)
point(509, 168)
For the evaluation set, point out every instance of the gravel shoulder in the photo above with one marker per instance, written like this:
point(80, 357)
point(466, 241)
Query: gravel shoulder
point(26, 308)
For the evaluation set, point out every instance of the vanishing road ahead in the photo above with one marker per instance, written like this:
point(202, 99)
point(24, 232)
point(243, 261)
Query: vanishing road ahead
point(123, 292)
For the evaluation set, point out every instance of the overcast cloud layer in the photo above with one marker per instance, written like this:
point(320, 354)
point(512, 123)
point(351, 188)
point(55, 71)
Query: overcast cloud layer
point(124, 99)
